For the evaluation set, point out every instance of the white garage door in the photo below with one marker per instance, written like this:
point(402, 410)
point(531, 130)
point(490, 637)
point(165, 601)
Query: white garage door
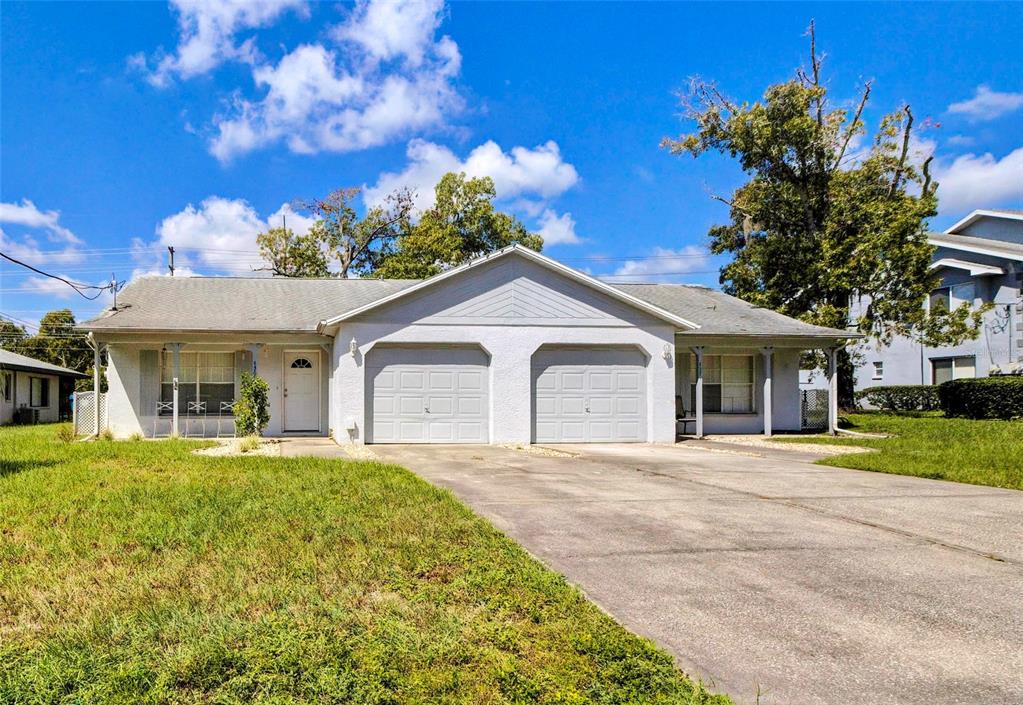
point(586, 395)
point(427, 395)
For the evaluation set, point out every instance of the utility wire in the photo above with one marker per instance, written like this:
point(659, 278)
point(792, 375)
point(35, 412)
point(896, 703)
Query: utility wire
point(79, 287)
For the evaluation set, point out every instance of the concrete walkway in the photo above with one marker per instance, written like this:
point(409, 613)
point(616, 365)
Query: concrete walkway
point(768, 575)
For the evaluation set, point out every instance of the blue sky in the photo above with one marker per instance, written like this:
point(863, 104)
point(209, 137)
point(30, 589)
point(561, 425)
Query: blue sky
point(126, 127)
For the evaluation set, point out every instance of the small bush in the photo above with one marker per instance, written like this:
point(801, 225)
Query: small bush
point(983, 398)
point(65, 433)
point(106, 435)
point(136, 437)
point(252, 411)
point(901, 397)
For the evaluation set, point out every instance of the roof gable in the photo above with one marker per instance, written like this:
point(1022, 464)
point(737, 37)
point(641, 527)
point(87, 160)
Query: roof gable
point(510, 298)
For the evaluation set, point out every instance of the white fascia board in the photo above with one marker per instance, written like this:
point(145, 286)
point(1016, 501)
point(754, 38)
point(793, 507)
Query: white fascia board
point(975, 269)
point(967, 246)
point(540, 259)
point(977, 215)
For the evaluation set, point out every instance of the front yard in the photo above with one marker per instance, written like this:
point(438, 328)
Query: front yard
point(930, 445)
point(139, 572)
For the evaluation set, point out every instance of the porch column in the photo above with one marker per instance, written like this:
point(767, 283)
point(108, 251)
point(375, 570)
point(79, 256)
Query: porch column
point(95, 384)
point(833, 391)
point(254, 349)
point(698, 351)
point(768, 354)
point(175, 349)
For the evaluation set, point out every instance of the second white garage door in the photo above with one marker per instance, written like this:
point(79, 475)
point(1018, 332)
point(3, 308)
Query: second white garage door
point(587, 395)
point(427, 395)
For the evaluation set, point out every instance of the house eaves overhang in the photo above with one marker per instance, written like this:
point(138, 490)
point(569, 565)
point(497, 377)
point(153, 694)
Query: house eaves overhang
point(966, 243)
point(14, 367)
point(533, 256)
point(979, 214)
point(975, 269)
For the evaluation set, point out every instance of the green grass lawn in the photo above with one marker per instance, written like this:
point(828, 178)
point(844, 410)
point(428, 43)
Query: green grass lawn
point(930, 445)
point(137, 572)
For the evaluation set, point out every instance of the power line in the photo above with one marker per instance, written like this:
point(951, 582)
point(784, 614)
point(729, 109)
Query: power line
point(77, 286)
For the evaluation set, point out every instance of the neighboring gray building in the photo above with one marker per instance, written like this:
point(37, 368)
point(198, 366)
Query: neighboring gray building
point(27, 383)
point(980, 260)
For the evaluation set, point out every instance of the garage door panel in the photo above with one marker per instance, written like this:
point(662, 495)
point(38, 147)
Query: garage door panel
point(428, 395)
point(589, 395)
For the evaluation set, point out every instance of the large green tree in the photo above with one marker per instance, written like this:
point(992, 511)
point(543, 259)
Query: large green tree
point(820, 220)
point(461, 224)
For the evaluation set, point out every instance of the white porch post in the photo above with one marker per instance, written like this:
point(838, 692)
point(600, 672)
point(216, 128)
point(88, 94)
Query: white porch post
point(175, 349)
point(698, 351)
point(95, 384)
point(768, 354)
point(254, 349)
point(833, 391)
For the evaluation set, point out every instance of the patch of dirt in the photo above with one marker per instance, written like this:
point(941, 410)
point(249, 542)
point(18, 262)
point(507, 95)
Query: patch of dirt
point(357, 452)
point(539, 450)
point(234, 446)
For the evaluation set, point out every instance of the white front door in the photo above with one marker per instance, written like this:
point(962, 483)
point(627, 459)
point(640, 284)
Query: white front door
point(428, 395)
point(302, 391)
point(589, 395)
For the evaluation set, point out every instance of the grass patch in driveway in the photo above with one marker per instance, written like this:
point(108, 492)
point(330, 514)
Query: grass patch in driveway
point(139, 572)
point(930, 445)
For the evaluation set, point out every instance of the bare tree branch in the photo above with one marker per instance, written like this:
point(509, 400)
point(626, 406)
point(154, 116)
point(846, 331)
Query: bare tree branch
point(854, 125)
point(901, 168)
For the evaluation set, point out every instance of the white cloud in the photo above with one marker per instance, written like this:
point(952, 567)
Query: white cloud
point(961, 140)
point(987, 104)
point(520, 173)
point(26, 214)
point(978, 181)
point(558, 229)
point(208, 30)
point(388, 75)
point(664, 265)
point(219, 235)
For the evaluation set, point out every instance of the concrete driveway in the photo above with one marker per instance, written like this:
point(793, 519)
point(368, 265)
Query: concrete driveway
point(770, 575)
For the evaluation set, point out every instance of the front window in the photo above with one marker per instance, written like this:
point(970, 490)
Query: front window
point(7, 381)
point(878, 370)
point(728, 384)
point(204, 376)
point(949, 368)
point(39, 392)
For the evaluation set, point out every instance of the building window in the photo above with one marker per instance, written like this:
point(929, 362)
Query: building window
point(38, 392)
point(301, 364)
point(205, 376)
point(949, 368)
point(878, 370)
point(7, 381)
point(963, 294)
point(728, 384)
point(940, 299)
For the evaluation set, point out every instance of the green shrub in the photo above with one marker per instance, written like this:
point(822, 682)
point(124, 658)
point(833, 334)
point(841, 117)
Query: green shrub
point(983, 398)
point(901, 397)
point(252, 410)
point(66, 433)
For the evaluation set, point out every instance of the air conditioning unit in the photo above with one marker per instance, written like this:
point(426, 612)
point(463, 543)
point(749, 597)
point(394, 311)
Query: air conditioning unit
point(26, 415)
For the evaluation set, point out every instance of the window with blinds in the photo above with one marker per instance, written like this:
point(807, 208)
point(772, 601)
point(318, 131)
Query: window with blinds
point(728, 384)
point(204, 376)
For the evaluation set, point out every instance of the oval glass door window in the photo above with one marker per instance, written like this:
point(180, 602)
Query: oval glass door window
point(301, 364)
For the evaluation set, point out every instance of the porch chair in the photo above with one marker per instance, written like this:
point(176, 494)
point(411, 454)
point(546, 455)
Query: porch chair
point(227, 414)
point(682, 417)
point(161, 407)
point(196, 412)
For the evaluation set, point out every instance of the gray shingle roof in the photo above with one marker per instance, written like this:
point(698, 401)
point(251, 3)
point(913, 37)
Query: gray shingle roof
point(13, 361)
point(263, 304)
point(239, 304)
point(1012, 250)
point(718, 313)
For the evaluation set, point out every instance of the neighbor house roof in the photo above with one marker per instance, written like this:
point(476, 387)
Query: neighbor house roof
point(978, 245)
point(215, 304)
point(13, 361)
point(1005, 213)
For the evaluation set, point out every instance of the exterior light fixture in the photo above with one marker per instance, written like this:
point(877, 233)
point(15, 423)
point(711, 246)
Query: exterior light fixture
point(353, 346)
point(669, 352)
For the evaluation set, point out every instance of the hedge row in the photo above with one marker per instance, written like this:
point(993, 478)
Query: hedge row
point(901, 397)
point(983, 398)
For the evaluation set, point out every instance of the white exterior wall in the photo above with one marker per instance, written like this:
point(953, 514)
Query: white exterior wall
point(785, 399)
point(510, 307)
point(124, 375)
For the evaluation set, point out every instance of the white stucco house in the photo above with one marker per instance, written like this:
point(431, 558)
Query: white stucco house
point(31, 385)
point(513, 347)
